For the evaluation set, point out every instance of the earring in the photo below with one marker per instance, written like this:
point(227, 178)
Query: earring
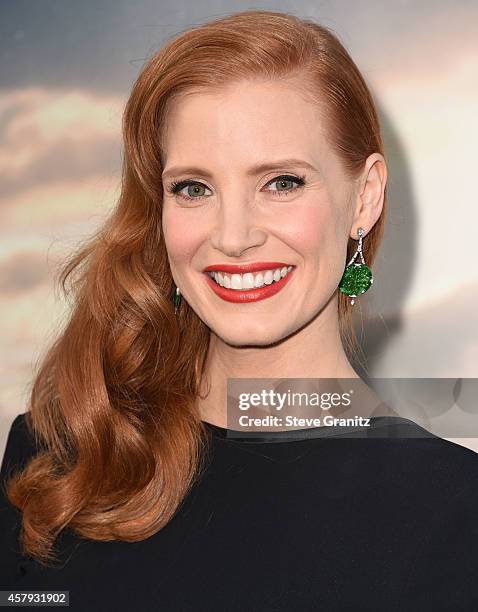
point(357, 277)
point(176, 300)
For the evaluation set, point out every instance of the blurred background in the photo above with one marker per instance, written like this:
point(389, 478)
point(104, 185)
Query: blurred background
point(66, 69)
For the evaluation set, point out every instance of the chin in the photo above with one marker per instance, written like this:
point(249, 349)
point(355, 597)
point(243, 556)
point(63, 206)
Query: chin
point(247, 335)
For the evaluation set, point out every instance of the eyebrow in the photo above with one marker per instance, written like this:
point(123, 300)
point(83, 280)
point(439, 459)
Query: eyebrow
point(252, 171)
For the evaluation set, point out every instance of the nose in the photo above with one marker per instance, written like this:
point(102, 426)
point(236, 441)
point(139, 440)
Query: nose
point(236, 229)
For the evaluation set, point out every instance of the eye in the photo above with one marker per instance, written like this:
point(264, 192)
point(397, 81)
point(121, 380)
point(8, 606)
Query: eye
point(195, 188)
point(284, 179)
point(178, 186)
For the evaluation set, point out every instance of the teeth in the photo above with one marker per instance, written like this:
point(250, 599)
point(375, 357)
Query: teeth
point(236, 281)
point(249, 280)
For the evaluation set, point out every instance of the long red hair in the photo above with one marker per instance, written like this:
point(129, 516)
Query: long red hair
point(113, 401)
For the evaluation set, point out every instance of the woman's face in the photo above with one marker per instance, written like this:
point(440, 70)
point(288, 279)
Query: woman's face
point(230, 212)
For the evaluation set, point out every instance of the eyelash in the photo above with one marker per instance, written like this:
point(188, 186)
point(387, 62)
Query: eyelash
point(175, 186)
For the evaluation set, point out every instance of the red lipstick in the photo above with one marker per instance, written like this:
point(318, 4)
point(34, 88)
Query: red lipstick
point(246, 267)
point(255, 294)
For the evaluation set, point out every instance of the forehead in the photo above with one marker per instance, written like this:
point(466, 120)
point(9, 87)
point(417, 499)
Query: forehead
point(245, 120)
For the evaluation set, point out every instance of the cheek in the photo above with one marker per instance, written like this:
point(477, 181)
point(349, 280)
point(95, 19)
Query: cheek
point(181, 242)
point(315, 231)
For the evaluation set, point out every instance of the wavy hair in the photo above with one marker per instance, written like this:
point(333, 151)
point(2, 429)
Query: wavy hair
point(113, 400)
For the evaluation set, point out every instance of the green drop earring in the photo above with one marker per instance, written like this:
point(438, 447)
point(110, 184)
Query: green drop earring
point(357, 277)
point(176, 300)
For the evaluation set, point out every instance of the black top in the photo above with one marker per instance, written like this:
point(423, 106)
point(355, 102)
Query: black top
point(328, 523)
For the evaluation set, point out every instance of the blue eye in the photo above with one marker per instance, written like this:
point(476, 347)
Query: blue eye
point(175, 187)
point(286, 179)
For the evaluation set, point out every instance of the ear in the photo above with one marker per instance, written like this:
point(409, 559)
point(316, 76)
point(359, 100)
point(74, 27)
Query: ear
point(369, 196)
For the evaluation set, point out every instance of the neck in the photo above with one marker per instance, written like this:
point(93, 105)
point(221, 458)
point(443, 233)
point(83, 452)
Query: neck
point(315, 351)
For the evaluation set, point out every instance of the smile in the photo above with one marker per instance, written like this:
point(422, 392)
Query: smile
point(249, 280)
point(249, 287)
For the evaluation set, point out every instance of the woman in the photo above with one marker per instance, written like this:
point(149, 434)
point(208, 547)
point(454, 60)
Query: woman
point(252, 139)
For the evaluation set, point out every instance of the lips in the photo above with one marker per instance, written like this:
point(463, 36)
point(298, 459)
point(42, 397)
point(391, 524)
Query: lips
point(241, 296)
point(246, 267)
